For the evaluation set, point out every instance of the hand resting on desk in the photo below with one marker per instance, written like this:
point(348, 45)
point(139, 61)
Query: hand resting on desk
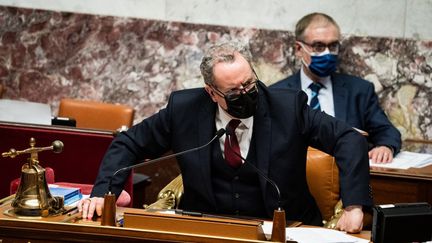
point(88, 206)
point(351, 220)
point(381, 154)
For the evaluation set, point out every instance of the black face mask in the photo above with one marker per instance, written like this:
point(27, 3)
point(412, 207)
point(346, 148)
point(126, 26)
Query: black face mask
point(243, 105)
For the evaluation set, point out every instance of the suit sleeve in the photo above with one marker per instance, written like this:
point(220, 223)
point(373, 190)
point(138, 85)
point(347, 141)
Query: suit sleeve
point(381, 130)
point(349, 148)
point(146, 140)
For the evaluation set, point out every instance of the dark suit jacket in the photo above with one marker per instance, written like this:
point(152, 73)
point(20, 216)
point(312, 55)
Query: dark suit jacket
point(356, 103)
point(282, 139)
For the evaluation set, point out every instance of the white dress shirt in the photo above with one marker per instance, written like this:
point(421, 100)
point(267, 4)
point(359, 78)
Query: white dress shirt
point(325, 95)
point(243, 131)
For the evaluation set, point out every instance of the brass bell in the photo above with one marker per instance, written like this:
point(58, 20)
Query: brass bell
point(33, 197)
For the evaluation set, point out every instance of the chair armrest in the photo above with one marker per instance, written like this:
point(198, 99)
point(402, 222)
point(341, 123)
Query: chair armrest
point(338, 211)
point(169, 197)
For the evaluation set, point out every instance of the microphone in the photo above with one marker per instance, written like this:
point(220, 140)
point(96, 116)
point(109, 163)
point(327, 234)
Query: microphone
point(279, 219)
point(230, 132)
point(218, 134)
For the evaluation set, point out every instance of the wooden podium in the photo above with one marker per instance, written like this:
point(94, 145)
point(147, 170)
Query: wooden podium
point(217, 227)
point(71, 228)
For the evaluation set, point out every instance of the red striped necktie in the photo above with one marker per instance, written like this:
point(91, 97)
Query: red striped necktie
point(232, 147)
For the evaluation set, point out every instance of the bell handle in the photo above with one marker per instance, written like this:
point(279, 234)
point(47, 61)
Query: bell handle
point(57, 147)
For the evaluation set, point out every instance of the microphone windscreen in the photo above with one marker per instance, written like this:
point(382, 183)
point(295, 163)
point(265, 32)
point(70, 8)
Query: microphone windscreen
point(220, 132)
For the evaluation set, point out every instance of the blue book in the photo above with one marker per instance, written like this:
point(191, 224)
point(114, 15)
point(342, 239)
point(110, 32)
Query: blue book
point(69, 194)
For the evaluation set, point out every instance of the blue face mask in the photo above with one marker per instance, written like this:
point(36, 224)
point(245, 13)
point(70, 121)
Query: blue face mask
point(322, 64)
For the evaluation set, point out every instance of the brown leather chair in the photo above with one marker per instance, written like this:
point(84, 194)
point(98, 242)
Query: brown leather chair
point(105, 116)
point(322, 176)
point(96, 115)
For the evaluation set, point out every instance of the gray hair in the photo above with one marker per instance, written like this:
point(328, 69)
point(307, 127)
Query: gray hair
point(222, 53)
point(307, 20)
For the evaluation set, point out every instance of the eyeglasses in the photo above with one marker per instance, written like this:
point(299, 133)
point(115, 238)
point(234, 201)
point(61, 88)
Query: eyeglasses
point(319, 47)
point(248, 87)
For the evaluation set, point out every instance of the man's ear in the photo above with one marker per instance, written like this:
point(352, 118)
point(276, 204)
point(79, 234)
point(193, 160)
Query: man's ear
point(298, 49)
point(301, 54)
point(210, 91)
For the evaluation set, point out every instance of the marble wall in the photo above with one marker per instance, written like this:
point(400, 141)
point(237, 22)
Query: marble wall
point(48, 55)
point(378, 18)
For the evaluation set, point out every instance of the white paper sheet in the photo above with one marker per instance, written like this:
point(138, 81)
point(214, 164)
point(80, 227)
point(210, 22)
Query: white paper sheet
point(405, 160)
point(311, 234)
point(25, 112)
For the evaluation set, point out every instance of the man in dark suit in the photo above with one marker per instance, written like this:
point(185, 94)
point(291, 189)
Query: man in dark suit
point(348, 98)
point(276, 142)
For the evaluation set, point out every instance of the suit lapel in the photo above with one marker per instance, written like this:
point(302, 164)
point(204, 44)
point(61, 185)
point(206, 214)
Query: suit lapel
point(262, 133)
point(340, 97)
point(294, 82)
point(206, 124)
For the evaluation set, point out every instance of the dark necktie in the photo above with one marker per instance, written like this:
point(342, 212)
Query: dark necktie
point(315, 87)
point(232, 146)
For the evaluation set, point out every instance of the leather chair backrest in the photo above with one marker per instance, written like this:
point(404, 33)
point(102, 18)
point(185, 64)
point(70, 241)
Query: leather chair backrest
point(323, 179)
point(96, 115)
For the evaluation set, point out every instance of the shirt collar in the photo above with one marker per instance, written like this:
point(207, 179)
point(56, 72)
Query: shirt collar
point(306, 81)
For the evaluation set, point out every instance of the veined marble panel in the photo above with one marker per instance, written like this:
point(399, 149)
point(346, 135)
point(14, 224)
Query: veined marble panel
point(45, 56)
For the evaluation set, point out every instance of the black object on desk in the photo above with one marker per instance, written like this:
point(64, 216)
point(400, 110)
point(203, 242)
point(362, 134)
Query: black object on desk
point(402, 222)
point(63, 121)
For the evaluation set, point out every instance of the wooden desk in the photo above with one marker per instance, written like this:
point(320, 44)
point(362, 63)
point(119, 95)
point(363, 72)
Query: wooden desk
point(64, 229)
point(71, 229)
point(402, 186)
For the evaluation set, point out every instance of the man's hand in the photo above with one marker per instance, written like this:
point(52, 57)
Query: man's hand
point(89, 205)
point(381, 154)
point(351, 220)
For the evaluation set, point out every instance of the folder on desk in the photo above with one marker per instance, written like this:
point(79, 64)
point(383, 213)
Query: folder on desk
point(70, 195)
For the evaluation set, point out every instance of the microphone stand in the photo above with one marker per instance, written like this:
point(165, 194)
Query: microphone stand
point(109, 209)
point(279, 220)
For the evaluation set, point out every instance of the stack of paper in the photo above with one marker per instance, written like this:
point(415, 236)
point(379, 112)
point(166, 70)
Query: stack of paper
point(314, 234)
point(405, 160)
point(69, 194)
